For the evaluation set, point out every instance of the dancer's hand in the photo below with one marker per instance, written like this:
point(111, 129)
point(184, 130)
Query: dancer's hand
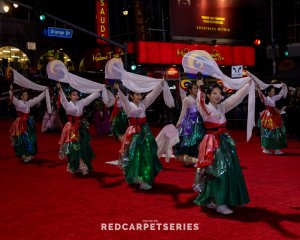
point(178, 125)
point(58, 86)
point(11, 87)
point(199, 83)
point(163, 81)
point(116, 85)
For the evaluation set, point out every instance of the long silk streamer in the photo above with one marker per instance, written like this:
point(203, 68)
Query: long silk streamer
point(114, 69)
point(201, 61)
point(22, 81)
point(57, 71)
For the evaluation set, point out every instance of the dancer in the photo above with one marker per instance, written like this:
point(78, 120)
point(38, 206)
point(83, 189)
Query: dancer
point(75, 138)
point(273, 135)
point(138, 153)
point(219, 177)
point(22, 131)
point(51, 121)
point(101, 119)
point(118, 119)
point(191, 129)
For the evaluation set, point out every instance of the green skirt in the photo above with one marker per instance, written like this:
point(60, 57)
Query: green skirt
point(25, 144)
point(273, 139)
point(140, 160)
point(80, 149)
point(223, 181)
point(119, 124)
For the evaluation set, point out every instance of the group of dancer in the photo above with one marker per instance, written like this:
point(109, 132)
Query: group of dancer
point(204, 140)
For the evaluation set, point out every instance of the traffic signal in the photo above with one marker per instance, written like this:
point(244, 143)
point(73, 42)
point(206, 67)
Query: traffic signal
point(133, 67)
point(286, 51)
point(257, 42)
point(42, 17)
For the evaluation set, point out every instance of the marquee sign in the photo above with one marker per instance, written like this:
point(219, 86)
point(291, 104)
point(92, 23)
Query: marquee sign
point(102, 19)
point(172, 53)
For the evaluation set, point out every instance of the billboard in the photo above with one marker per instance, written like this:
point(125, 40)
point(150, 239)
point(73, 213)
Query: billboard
point(212, 18)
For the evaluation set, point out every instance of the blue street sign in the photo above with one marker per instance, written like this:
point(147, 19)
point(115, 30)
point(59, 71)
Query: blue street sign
point(59, 32)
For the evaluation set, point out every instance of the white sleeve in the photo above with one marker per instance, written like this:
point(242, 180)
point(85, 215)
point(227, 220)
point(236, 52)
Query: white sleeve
point(14, 100)
point(236, 98)
point(152, 95)
point(63, 100)
point(279, 95)
point(37, 99)
point(125, 102)
point(184, 107)
point(202, 107)
point(86, 101)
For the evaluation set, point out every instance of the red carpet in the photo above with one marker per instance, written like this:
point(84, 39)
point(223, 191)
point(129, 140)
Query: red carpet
point(40, 200)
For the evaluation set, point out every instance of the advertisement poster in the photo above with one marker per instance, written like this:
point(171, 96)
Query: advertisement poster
point(211, 18)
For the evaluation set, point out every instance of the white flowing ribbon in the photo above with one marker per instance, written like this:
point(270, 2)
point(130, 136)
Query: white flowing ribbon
point(114, 69)
point(22, 81)
point(201, 61)
point(57, 71)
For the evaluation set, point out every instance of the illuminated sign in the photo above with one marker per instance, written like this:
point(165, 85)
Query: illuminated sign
point(59, 32)
point(102, 19)
point(212, 19)
point(172, 73)
point(96, 58)
point(140, 22)
point(237, 71)
point(172, 53)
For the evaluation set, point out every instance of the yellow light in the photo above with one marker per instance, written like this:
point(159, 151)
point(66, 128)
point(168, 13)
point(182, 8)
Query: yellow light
point(16, 5)
point(6, 8)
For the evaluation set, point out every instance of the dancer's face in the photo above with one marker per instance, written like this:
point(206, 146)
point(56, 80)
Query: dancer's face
point(194, 90)
point(136, 97)
point(271, 93)
point(74, 96)
point(24, 96)
point(215, 96)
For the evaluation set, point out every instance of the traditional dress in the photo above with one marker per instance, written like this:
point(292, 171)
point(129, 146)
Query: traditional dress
point(273, 135)
point(138, 153)
point(219, 178)
point(118, 119)
point(101, 119)
point(51, 121)
point(191, 130)
point(75, 138)
point(22, 131)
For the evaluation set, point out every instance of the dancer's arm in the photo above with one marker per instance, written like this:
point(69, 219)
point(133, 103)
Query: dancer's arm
point(237, 98)
point(63, 99)
point(280, 94)
point(125, 102)
point(202, 108)
point(184, 107)
point(149, 99)
point(86, 101)
point(37, 99)
point(14, 100)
